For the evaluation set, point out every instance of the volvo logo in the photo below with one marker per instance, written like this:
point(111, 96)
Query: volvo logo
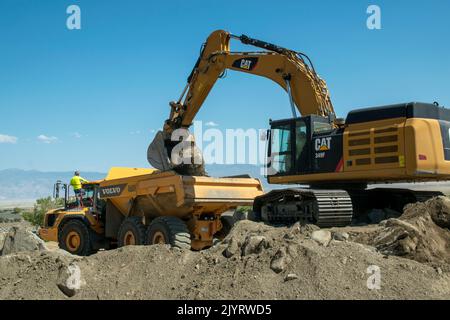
point(111, 191)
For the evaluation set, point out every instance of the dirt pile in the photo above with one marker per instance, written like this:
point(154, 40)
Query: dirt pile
point(421, 233)
point(255, 261)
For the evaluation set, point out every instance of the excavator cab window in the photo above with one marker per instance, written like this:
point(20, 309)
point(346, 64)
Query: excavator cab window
point(281, 149)
point(322, 127)
point(301, 145)
point(289, 142)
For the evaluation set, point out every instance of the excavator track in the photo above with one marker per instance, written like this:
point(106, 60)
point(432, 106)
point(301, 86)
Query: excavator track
point(334, 208)
point(325, 208)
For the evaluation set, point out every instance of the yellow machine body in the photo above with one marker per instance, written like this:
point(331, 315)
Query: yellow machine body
point(150, 194)
point(198, 202)
point(391, 150)
point(54, 218)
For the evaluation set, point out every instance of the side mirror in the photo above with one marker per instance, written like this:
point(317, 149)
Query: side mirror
point(56, 189)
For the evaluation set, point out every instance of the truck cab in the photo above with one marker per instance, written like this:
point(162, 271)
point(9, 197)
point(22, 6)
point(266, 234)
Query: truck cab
point(77, 221)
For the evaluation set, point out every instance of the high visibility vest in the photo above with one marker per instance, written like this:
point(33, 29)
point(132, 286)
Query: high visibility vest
point(76, 182)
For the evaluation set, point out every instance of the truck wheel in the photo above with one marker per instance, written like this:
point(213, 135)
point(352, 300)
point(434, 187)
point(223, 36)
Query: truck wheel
point(75, 238)
point(131, 232)
point(169, 230)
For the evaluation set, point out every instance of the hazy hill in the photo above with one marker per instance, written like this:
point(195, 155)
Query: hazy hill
point(18, 184)
point(29, 185)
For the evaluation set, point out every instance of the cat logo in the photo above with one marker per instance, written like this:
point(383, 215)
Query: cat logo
point(323, 144)
point(247, 64)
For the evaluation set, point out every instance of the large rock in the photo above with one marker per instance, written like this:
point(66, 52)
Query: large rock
point(397, 238)
point(232, 248)
point(280, 260)
point(290, 276)
point(409, 227)
point(440, 211)
point(300, 229)
point(283, 258)
point(254, 245)
point(70, 279)
point(323, 237)
point(18, 240)
point(340, 236)
point(2, 240)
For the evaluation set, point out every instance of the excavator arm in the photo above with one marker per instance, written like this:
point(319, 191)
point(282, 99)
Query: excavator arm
point(308, 93)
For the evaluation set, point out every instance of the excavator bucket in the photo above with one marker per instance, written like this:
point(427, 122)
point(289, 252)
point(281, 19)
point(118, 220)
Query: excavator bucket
point(190, 159)
point(157, 153)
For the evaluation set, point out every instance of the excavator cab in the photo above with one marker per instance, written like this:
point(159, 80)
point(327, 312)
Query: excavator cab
point(302, 146)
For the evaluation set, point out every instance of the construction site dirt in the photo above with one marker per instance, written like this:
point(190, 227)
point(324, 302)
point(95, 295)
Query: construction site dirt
point(399, 258)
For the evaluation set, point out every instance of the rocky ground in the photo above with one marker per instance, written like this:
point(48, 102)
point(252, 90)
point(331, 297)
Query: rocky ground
point(399, 258)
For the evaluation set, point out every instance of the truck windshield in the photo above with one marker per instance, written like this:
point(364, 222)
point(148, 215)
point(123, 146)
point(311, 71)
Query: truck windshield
point(88, 194)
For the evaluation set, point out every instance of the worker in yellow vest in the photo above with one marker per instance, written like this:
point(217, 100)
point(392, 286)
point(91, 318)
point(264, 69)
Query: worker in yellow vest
point(76, 183)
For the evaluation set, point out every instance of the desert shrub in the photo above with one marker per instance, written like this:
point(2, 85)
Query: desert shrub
point(9, 217)
point(36, 217)
point(17, 211)
point(243, 209)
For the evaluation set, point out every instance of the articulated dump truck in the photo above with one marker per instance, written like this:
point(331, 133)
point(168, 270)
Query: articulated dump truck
point(144, 207)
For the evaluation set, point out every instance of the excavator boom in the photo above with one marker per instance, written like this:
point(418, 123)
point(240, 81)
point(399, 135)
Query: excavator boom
point(308, 93)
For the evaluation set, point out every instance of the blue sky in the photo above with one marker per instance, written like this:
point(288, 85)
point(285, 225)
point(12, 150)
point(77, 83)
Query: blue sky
point(92, 98)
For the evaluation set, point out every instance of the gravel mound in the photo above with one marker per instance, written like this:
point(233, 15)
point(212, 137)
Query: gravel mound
point(421, 233)
point(408, 255)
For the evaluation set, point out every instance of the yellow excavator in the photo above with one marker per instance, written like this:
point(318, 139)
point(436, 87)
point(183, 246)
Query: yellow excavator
point(337, 158)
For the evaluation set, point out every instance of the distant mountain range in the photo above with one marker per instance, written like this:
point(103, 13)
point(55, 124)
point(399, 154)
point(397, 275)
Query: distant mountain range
point(16, 184)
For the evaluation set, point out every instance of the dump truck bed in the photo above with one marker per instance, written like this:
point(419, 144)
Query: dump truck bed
point(154, 193)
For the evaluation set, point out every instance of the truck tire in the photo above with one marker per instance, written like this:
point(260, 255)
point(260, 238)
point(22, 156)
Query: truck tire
point(169, 230)
point(75, 237)
point(131, 232)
